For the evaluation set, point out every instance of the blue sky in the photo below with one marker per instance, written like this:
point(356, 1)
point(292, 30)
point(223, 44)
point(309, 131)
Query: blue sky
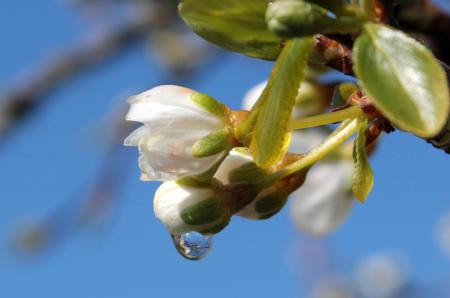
point(51, 156)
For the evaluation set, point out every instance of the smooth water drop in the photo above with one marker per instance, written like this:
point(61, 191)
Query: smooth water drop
point(192, 245)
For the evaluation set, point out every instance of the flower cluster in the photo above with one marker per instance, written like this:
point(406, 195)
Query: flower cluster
point(188, 141)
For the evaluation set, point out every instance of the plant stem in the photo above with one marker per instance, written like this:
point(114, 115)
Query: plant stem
point(333, 141)
point(328, 118)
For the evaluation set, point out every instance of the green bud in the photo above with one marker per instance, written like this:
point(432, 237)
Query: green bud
point(183, 208)
point(272, 199)
point(268, 203)
point(295, 18)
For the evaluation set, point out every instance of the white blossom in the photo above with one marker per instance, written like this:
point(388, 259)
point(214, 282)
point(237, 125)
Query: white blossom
point(324, 200)
point(252, 95)
point(304, 108)
point(173, 123)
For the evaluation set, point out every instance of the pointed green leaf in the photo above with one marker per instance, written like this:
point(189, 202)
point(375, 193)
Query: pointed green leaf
point(235, 25)
point(362, 175)
point(403, 78)
point(271, 133)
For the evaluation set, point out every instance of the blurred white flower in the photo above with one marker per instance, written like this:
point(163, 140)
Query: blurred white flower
point(252, 95)
point(333, 286)
point(182, 208)
point(307, 101)
point(443, 233)
point(324, 200)
point(381, 275)
point(173, 123)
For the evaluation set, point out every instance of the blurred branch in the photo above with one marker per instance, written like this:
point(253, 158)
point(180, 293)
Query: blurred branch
point(429, 23)
point(18, 102)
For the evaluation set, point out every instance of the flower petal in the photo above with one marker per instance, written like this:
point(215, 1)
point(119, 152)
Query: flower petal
point(159, 114)
point(168, 155)
point(134, 138)
point(167, 95)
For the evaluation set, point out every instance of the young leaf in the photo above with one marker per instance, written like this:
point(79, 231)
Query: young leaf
point(362, 175)
point(235, 25)
point(271, 133)
point(403, 78)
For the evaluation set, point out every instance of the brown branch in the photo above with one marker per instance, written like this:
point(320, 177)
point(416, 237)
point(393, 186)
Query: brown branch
point(430, 24)
point(331, 53)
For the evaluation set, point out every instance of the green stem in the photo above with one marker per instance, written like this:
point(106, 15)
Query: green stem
point(339, 136)
point(328, 118)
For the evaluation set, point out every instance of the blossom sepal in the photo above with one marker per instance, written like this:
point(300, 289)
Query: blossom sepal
point(217, 141)
point(211, 105)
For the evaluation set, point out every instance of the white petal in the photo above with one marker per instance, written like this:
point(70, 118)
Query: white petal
point(252, 95)
point(234, 160)
point(168, 95)
point(134, 138)
point(168, 155)
point(323, 202)
point(157, 114)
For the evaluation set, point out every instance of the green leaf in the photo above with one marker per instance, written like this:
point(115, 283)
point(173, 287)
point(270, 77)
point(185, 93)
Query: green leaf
point(271, 132)
point(362, 175)
point(405, 81)
point(235, 25)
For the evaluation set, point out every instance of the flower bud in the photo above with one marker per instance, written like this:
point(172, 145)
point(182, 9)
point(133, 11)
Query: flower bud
point(267, 203)
point(185, 133)
point(238, 169)
point(184, 207)
point(296, 18)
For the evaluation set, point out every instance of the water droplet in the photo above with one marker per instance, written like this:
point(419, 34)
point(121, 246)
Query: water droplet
point(192, 245)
